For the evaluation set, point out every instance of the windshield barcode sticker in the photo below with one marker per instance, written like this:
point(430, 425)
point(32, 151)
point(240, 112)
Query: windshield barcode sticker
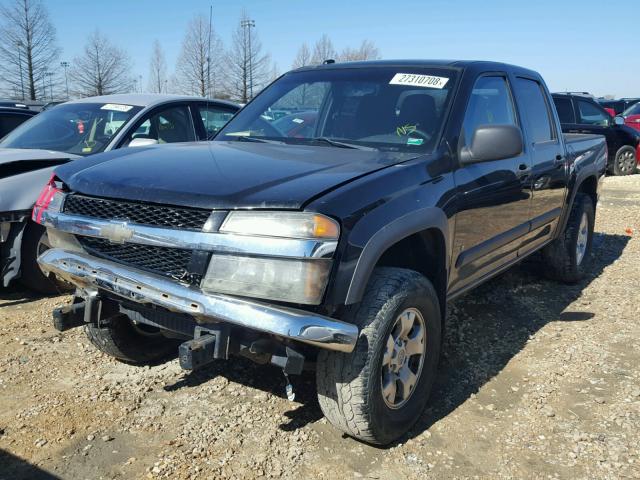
point(116, 107)
point(414, 80)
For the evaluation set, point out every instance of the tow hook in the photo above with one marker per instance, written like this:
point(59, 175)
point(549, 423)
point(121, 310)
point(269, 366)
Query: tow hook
point(68, 317)
point(207, 345)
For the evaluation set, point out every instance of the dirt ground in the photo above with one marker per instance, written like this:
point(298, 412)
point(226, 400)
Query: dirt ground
point(539, 380)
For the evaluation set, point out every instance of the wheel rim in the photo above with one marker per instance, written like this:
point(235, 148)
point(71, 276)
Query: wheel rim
point(626, 161)
point(583, 238)
point(403, 358)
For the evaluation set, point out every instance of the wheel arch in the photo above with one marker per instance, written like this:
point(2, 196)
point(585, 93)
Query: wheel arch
point(418, 241)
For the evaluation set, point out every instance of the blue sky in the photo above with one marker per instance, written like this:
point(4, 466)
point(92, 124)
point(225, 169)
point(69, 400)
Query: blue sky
point(576, 45)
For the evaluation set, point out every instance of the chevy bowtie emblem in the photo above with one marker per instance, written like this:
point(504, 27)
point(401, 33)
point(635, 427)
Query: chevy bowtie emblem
point(116, 232)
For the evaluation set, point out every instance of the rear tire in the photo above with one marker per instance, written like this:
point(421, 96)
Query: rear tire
point(567, 258)
point(625, 162)
point(363, 393)
point(34, 243)
point(132, 344)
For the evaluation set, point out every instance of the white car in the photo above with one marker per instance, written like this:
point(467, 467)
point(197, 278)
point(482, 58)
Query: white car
point(74, 130)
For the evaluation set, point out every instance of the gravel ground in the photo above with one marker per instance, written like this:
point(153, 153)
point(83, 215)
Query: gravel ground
point(539, 380)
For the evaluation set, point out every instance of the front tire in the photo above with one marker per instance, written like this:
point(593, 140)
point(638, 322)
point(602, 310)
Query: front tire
point(34, 243)
point(123, 340)
point(625, 162)
point(377, 392)
point(566, 259)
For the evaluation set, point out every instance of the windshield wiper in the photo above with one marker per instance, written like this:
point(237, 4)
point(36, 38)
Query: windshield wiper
point(247, 138)
point(336, 143)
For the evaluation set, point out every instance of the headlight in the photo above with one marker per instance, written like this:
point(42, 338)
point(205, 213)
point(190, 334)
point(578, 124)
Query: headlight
point(287, 280)
point(281, 224)
point(277, 277)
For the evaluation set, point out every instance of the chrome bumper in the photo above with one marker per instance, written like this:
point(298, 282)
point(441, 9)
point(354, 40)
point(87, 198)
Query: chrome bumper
point(91, 273)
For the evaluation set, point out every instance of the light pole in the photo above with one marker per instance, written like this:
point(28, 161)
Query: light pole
point(50, 75)
point(248, 24)
point(65, 65)
point(19, 46)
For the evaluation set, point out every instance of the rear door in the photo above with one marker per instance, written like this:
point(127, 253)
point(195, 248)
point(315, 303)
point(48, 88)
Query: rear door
point(493, 196)
point(548, 176)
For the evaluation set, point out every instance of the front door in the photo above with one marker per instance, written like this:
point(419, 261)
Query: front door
point(493, 196)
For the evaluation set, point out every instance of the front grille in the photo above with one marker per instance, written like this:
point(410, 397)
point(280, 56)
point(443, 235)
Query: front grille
point(174, 217)
point(170, 262)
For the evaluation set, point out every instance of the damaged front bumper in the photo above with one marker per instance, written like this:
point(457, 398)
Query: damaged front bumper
point(92, 274)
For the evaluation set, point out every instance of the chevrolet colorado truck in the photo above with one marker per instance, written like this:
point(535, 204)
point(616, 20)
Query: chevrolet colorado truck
point(334, 247)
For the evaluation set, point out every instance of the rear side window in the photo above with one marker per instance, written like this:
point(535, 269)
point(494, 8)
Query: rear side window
point(590, 114)
point(535, 110)
point(565, 110)
point(10, 121)
point(490, 104)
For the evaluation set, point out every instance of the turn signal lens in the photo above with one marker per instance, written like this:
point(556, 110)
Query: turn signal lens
point(281, 224)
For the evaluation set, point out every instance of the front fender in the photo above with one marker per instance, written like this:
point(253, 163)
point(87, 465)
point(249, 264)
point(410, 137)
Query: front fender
point(389, 234)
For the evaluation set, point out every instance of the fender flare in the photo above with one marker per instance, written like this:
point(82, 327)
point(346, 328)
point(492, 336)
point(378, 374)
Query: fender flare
point(388, 235)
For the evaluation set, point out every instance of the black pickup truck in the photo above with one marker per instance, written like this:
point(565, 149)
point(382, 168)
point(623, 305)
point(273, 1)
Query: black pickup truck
point(329, 234)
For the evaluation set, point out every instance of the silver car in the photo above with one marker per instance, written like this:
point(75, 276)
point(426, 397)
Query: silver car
point(71, 131)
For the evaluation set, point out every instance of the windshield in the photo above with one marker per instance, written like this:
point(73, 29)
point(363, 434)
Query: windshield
point(632, 110)
point(388, 108)
point(77, 128)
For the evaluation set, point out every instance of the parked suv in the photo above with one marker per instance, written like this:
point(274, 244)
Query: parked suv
point(336, 247)
point(11, 118)
point(580, 114)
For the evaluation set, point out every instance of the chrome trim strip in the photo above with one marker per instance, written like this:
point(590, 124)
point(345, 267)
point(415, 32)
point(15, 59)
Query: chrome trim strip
point(120, 232)
point(91, 273)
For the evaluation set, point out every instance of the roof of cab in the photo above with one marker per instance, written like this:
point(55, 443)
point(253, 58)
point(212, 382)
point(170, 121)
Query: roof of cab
point(145, 99)
point(460, 64)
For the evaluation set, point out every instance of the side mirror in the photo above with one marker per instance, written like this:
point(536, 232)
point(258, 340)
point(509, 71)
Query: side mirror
point(142, 142)
point(618, 120)
point(493, 142)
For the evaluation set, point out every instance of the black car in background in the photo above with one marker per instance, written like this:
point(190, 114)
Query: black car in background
point(10, 118)
point(582, 114)
point(619, 105)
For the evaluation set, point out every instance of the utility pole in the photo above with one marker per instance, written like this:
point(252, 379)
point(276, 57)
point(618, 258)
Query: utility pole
point(65, 65)
point(19, 46)
point(50, 75)
point(209, 92)
point(247, 25)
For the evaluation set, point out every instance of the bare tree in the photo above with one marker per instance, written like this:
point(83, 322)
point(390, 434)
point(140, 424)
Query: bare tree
point(197, 71)
point(247, 67)
point(323, 50)
point(366, 51)
point(158, 79)
point(303, 57)
point(28, 50)
point(102, 69)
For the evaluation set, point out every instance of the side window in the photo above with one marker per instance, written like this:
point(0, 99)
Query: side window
point(565, 110)
point(490, 104)
point(170, 125)
point(214, 118)
point(590, 114)
point(535, 109)
point(9, 122)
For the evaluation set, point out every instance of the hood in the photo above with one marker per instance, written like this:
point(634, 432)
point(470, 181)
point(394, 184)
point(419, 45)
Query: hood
point(223, 175)
point(23, 173)
point(9, 155)
point(633, 121)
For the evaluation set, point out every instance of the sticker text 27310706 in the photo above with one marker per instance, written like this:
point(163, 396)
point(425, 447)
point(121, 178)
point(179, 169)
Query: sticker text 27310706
point(415, 80)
